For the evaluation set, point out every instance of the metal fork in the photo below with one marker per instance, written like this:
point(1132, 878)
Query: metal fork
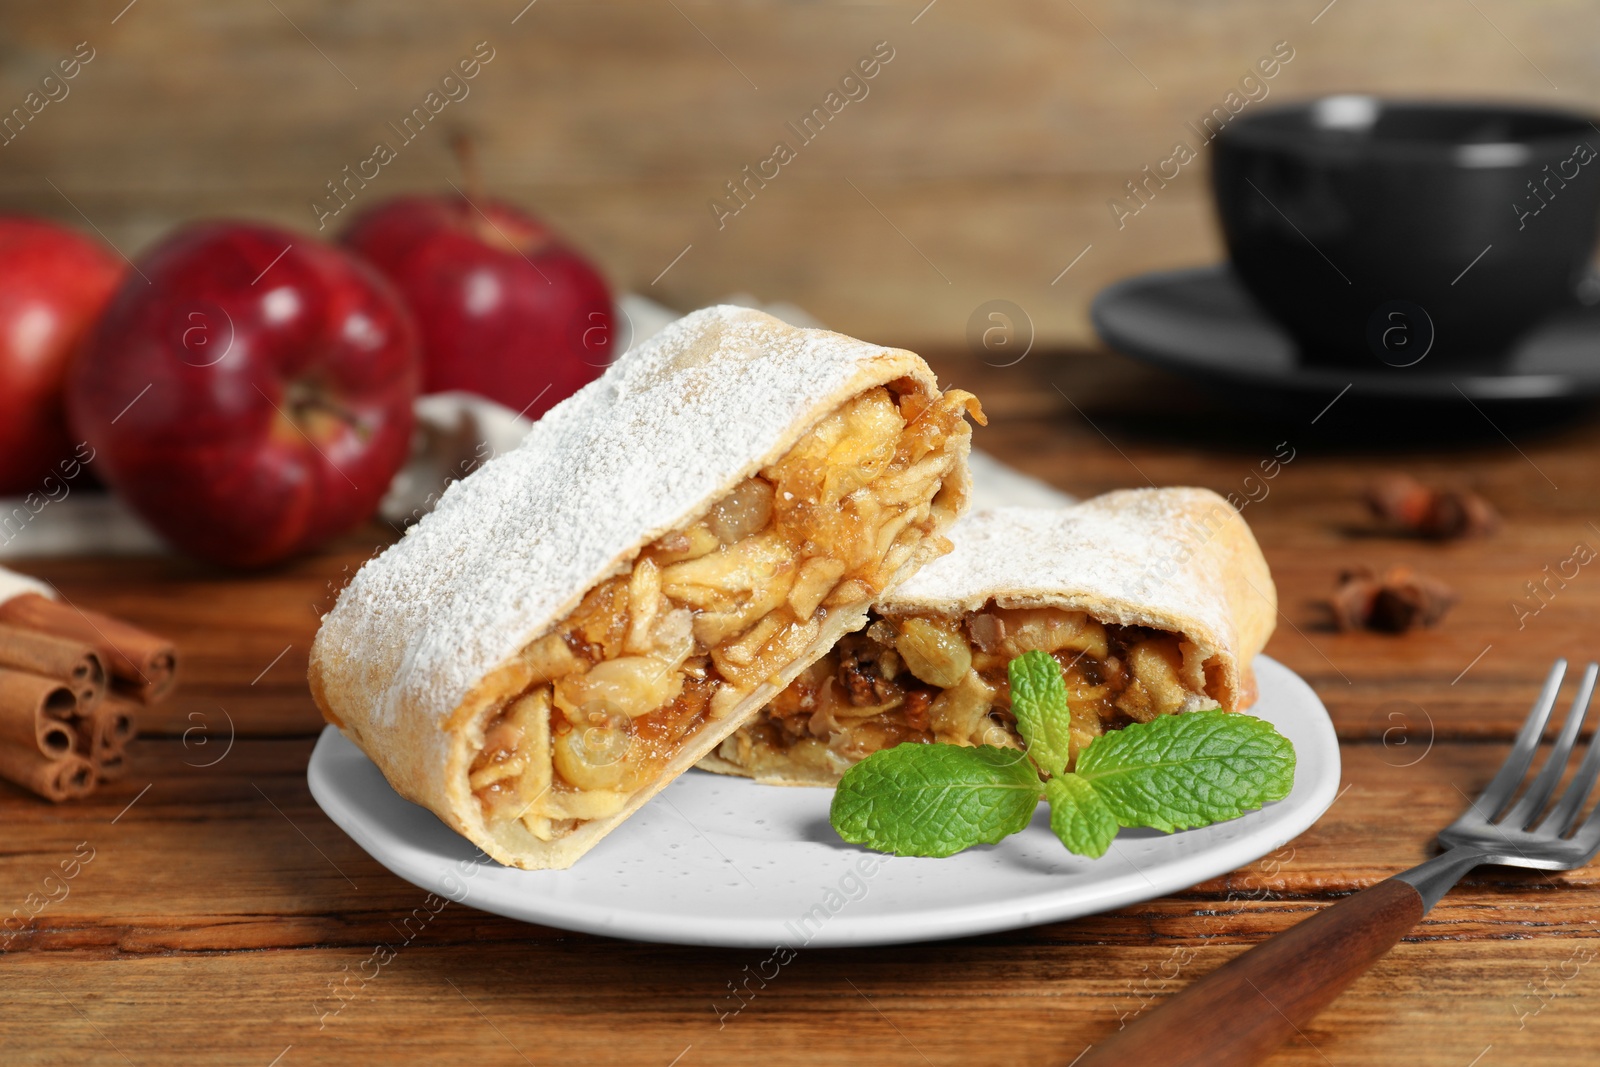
point(1241, 1012)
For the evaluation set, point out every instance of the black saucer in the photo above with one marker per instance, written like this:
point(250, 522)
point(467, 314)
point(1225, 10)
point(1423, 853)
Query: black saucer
point(1200, 323)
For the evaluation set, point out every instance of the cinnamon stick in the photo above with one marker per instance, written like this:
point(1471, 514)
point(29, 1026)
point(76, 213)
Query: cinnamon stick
point(54, 779)
point(105, 732)
point(36, 713)
point(121, 726)
point(142, 665)
point(123, 723)
point(73, 662)
point(110, 768)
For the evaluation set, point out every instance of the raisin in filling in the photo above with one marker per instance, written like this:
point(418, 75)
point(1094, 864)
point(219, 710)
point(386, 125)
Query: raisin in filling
point(927, 677)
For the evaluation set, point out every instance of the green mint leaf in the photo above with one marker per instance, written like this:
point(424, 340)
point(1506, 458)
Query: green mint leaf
point(935, 800)
point(1079, 817)
point(1192, 769)
point(1039, 701)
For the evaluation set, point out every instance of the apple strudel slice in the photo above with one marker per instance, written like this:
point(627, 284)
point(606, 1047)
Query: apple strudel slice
point(584, 617)
point(1154, 601)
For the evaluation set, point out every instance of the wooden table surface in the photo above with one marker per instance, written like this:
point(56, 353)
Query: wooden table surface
point(220, 907)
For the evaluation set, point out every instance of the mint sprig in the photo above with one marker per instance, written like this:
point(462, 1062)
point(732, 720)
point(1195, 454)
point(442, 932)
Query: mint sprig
point(1083, 821)
point(1039, 701)
point(935, 800)
point(1176, 772)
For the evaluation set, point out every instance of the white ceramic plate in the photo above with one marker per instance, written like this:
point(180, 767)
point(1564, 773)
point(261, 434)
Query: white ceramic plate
point(722, 861)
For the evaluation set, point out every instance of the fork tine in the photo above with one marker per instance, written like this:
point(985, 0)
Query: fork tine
point(1565, 814)
point(1495, 795)
point(1527, 809)
point(1587, 836)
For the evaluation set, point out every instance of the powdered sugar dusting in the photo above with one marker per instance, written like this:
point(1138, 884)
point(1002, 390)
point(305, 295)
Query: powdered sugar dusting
point(643, 450)
point(1132, 549)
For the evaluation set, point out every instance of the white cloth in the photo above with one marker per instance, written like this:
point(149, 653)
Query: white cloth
point(13, 584)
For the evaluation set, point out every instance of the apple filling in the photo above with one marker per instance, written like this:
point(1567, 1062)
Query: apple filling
point(709, 612)
point(927, 677)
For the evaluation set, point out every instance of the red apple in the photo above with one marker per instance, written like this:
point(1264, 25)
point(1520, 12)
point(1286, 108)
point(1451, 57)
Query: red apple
point(505, 309)
point(249, 391)
point(53, 283)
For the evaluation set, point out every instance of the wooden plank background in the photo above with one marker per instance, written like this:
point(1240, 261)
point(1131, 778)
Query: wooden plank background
point(978, 166)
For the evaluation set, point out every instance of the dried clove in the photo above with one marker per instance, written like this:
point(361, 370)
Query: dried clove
point(1398, 600)
point(1438, 514)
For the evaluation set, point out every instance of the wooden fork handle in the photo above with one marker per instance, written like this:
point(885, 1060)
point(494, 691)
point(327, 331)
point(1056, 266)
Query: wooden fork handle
point(1238, 1014)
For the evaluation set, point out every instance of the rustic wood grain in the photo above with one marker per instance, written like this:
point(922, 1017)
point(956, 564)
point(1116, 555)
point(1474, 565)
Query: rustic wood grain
point(993, 141)
point(221, 905)
point(1243, 1012)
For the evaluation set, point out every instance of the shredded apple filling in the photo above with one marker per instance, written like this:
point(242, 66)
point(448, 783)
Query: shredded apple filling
point(926, 678)
point(709, 612)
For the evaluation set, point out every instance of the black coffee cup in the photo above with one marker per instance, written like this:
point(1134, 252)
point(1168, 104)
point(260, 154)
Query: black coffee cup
point(1394, 231)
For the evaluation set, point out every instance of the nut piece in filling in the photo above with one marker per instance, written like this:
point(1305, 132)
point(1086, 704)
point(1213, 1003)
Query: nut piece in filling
point(927, 677)
point(709, 612)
